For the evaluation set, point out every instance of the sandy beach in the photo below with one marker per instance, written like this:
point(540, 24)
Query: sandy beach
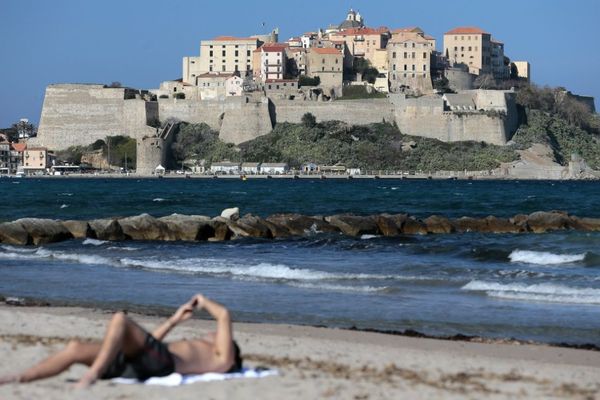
point(313, 363)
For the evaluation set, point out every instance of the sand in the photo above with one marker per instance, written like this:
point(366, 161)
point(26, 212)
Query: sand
point(314, 363)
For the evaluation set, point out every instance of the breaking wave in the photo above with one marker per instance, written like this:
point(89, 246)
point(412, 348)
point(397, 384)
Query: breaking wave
point(94, 242)
point(544, 258)
point(539, 292)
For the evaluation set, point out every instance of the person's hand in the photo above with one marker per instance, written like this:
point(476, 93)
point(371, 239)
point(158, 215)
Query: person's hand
point(183, 313)
point(198, 301)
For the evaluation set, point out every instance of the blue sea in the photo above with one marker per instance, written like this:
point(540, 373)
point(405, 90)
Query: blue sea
point(541, 287)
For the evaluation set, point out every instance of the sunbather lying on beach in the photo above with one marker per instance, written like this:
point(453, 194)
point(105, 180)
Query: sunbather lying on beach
point(129, 351)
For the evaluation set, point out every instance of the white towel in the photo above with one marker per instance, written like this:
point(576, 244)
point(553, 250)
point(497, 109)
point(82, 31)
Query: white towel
point(176, 379)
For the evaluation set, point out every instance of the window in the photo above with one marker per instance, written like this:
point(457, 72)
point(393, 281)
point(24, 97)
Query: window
point(247, 53)
point(462, 38)
point(223, 68)
point(193, 62)
point(323, 69)
point(211, 53)
point(462, 48)
point(223, 46)
point(470, 48)
point(413, 67)
point(336, 61)
point(223, 53)
point(413, 45)
point(210, 46)
point(405, 44)
point(236, 46)
point(394, 67)
point(210, 68)
point(414, 55)
point(269, 86)
point(455, 48)
point(237, 52)
point(284, 84)
point(405, 68)
point(424, 55)
point(323, 61)
point(278, 85)
point(424, 67)
point(394, 55)
point(405, 55)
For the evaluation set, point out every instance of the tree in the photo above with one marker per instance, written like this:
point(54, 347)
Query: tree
point(20, 130)
point(115, 84)
point(363, 66)
point(308, 81)
point(309, 120)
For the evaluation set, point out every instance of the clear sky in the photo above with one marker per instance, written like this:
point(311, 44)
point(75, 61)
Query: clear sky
point(141, 42)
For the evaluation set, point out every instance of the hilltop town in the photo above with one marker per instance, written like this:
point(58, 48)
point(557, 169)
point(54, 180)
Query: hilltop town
point(243, 87)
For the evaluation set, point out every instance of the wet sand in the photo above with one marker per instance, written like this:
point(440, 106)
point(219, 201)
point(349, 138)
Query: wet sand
point(314, 363)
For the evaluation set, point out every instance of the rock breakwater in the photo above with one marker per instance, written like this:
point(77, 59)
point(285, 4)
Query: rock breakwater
point(177, 227)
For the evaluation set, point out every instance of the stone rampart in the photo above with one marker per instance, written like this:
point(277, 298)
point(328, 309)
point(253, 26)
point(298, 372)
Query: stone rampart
point(245, 119)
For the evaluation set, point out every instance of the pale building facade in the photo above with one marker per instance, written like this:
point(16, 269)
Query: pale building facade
point(234, 86)
point(328, 65)
point(470, 46)
point(35, 160)
point(523, 69)
point(409, 64)
point(273, 61)
point(363, 42)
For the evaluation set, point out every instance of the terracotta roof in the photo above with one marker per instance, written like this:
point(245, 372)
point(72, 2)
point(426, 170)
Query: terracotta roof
point(20, 147)
point(429, 37)
point(414, 29)
point(233, 38)
point(466, 30)
point(326, 50)
point(278, 47)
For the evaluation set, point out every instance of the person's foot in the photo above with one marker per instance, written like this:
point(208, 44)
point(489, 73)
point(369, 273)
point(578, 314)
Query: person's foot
point(9, 379)
point(87, 380)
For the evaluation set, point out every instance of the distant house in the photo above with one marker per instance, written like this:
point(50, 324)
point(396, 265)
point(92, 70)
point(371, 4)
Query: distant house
point(332, 169)
point(274, 168)
point(225, 167)
point(35, 160)
point(233, 86)
point(309, 168)
point(251, 168)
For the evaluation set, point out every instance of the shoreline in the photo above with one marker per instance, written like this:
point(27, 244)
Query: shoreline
point(312, 362)
point(165, 311)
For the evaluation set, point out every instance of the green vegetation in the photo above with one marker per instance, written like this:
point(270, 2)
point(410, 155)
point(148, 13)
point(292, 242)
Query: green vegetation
point(200, 141)
point(308, 81)
point(363, 66)
point(122, 148)
point(179, 95)
point(355, 92)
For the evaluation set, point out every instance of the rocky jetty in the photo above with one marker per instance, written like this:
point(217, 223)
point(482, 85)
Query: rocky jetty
point(229, 225)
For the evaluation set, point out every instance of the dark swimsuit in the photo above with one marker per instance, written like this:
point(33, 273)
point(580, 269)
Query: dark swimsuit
point(154, 359)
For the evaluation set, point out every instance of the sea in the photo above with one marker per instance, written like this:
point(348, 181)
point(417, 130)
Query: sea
point(536, 287)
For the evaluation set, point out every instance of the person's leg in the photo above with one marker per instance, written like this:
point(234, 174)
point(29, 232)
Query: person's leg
point(74, 352)
point(122, 335)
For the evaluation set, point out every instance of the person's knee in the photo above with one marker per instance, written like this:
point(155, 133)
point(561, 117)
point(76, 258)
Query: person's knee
point(73, 346)
point(119, 318)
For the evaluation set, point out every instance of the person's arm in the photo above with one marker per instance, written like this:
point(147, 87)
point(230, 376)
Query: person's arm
point(183, 313)
point(224, 336)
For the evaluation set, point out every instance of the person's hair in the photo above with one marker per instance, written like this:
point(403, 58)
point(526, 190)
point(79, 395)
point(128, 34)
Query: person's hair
point(237, 358)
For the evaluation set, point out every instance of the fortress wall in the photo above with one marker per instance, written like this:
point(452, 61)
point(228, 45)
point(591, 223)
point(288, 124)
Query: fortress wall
point(135, 117)
point(246, 121)
point(77, 114)
point(349, 111)
point(192, 111)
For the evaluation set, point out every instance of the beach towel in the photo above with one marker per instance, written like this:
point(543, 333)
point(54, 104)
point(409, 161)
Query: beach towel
point(176, 379)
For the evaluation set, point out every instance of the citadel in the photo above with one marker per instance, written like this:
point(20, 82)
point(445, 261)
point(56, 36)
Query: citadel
point(243, 86)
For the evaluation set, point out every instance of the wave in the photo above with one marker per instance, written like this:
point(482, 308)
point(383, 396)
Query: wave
point(340, 288)
point(367, 237)
point(539, 292)
point(41, 253)
point(94, 242)
point(64, 206)
point(158, 199)
point(261, 270)
point(124, 248)
point(544, 258)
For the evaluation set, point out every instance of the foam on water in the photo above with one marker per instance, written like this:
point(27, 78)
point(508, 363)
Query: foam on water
point(339, 288)
point(539, 292)
point(158, 199)
point(367, 237)
point(544, 258)
point(64, 206)
point(42, 253)
point(261, 270)
point(94, 242)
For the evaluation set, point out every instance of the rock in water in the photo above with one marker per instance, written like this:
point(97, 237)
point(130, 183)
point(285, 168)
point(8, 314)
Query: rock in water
point(13, 233)
point(79, 229)
point(438, 224)
point(353, 225)
point(252, 226)
point(232, 214)
point(298, 225)
point(107, 229)
point(586, 224)
point(188, 227)
point(413, 226)
point(145, 227)
point(543, 221)
point(43, 231)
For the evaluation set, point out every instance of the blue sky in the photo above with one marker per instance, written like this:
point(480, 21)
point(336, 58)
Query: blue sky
point(140, 42)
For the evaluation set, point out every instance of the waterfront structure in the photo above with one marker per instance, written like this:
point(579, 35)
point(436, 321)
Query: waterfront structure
point(274, 168)
point(36, 160)
point(225, 167)
point(471, 46)
point(252, 168)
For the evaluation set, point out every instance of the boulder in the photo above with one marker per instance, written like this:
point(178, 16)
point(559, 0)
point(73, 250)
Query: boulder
point(298, 225)
point(232, 214)
point(252, 226)
point(43, 231)
point(543, 221)
point(107, 229)
point(413, 226)
point(353, 225)
point(221, 230)
point(13, 233)
point(502, 225)
point(390, 225)
point(145, 227)
point(520, 220)
point(438, 224)
point(188, 227)
point(469, 224)
point(585, 224)
point(79, 229)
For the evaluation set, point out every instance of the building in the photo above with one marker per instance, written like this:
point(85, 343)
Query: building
point(273, 59)
point(281, 88)
point(298, 67)
point(274, 168)
point(412, 32)
point(225, 167)
point(500, 64)
point(523, 69)
point(363, 42)
point(353, 20)
point(234, 86)
point(5, 157)
point(224, 54)
point(328, 65)
point(409, 64)
point(35, 160)
point(252, 168)
point(471, 46)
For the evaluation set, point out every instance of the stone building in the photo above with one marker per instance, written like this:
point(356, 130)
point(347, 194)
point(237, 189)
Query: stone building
point(409, 64)
point(363, 42)
point(471, 46)
point(523, 69)
point(500, 66)
point(35, 160)
point(353, 20)
point(328, 65)
point(273, 59)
